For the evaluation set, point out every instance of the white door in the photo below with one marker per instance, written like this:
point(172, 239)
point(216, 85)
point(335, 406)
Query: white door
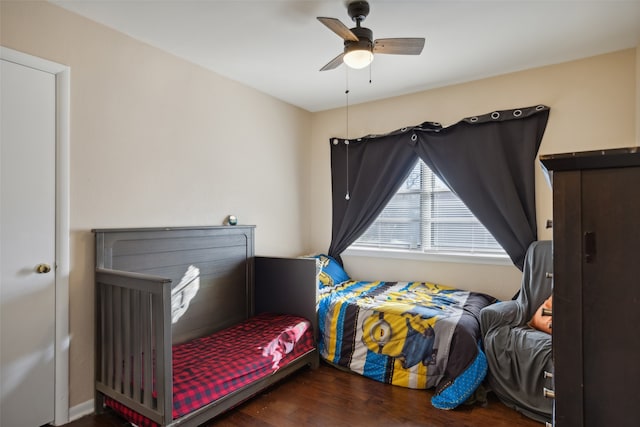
point(27, 249)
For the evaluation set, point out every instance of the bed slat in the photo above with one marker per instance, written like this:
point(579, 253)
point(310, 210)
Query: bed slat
point(132, 374)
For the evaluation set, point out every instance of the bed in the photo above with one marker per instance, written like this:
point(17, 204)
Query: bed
point(414, 334)
point(185, 327)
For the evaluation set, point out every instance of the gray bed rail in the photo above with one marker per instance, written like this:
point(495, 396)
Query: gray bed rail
point(287, 285)
point(133, 348)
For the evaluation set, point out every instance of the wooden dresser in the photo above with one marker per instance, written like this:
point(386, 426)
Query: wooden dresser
point(596, 303)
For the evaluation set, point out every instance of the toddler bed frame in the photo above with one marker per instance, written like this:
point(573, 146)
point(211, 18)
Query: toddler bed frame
point(158, 287)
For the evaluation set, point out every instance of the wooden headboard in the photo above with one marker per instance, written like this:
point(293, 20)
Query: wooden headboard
point(210, 269)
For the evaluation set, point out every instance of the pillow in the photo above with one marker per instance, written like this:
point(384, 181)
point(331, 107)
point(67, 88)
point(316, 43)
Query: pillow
point(540, 322)
point(331, 272)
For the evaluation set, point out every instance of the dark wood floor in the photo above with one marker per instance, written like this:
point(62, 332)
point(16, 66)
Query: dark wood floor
point(330, 397)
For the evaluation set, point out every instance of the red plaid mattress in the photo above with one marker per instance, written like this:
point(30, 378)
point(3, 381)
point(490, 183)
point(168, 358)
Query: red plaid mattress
point(211, 367)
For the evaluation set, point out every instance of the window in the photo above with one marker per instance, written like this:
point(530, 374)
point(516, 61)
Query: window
point(424, 216)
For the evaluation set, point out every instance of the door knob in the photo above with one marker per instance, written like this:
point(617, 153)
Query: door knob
point(43, 268)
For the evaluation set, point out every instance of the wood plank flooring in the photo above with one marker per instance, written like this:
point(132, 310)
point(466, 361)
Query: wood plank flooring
point(330, 397)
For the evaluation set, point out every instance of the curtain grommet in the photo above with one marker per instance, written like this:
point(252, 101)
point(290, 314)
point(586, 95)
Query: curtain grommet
point(335, 141)
point(473, 119)
point(540, 107)
point(495, 115)
point(517, 113)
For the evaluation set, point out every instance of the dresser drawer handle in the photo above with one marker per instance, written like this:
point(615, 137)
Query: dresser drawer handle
point(590, 247)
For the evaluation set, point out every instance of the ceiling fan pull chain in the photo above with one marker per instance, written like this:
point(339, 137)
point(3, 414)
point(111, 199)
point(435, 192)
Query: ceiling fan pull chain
point(346, 94)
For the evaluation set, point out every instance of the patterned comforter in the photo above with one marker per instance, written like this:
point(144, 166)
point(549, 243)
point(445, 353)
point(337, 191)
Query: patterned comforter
point(412, 334)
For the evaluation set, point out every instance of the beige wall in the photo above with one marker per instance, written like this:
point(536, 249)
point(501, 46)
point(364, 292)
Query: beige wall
point(156, 141)
point(638, 96)
point(593, 105)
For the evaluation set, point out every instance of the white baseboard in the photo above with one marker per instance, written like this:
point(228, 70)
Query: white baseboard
point(81, 410)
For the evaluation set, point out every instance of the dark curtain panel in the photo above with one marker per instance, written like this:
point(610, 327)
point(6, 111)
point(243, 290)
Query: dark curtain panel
point(489, 163)
point(365, 174)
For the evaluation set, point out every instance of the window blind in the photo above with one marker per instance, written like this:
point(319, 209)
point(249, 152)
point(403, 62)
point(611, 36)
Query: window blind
point(425, 216)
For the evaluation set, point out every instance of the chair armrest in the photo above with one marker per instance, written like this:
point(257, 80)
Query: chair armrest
point(505, 313)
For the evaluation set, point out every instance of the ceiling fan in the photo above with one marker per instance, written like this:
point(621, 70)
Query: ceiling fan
point(359, 45)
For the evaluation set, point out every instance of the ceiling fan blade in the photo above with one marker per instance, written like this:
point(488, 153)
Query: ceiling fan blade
point(334, 63)
point(402, 46)
point(339, 28)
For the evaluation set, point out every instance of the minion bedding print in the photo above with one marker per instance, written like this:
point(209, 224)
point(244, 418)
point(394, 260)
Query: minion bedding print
point(413, 334)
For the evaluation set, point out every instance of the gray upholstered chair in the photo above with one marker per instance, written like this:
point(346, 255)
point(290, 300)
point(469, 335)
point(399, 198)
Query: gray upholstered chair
point(518, 354)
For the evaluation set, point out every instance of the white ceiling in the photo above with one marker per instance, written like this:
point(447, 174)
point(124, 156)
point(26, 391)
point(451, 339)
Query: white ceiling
point(278, 46)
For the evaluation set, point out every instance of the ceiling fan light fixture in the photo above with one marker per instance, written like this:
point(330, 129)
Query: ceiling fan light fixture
point(359, 44)
point(358, 58)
